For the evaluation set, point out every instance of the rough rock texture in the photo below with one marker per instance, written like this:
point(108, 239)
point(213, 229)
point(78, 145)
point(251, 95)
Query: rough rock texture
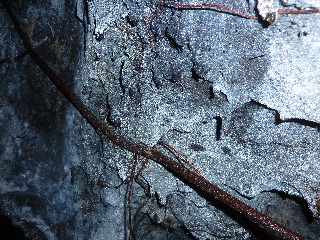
point(240, 100)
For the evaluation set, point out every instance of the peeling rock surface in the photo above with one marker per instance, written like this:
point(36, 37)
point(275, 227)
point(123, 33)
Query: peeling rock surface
point(238, 99)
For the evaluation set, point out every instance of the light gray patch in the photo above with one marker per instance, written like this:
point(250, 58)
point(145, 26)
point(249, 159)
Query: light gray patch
point(169, 74)
point(292, 84)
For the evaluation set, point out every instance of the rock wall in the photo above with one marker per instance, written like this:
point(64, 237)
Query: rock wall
point(239, 99)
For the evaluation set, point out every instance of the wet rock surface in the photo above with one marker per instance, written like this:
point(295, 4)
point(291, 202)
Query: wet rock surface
point(239, 100)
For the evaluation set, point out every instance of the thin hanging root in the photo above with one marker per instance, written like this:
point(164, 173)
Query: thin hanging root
point(241, 212)
point(144, 164)
point(212, 6)
point(293, 11)
point(128, 199)
point(235, 12)
point(129, 192)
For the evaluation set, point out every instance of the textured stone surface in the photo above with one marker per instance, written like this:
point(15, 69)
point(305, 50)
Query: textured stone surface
point(238, 99)
point(35, 188)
